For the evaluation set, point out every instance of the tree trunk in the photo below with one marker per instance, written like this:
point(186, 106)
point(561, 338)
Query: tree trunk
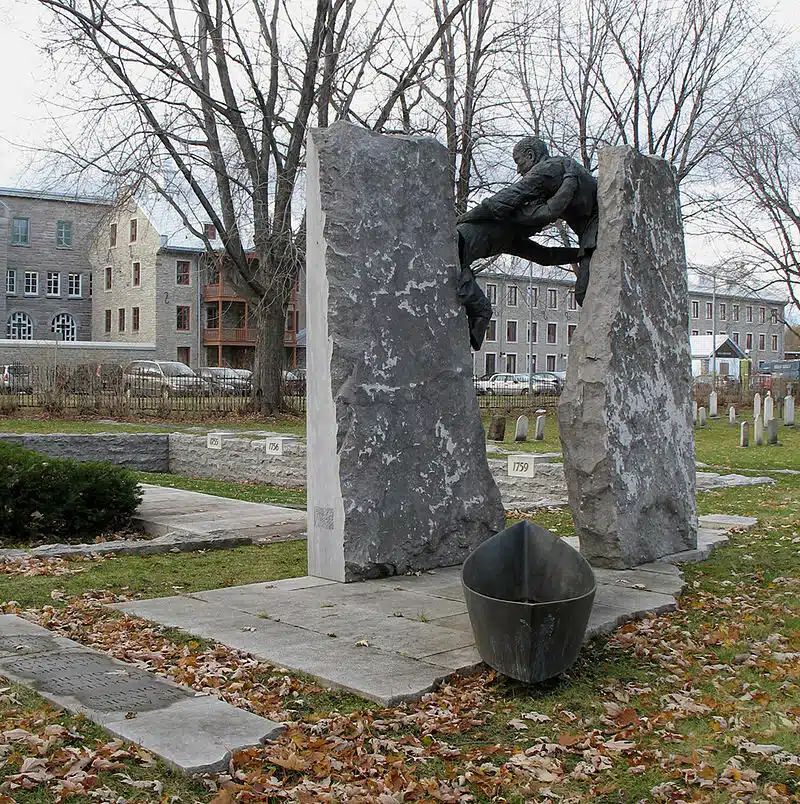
point(268, 362)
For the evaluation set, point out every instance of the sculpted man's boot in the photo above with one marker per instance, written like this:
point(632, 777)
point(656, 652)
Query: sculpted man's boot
point(477, 331)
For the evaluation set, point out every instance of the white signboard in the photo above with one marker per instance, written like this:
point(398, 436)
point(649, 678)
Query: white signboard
point(274, 446)
point(214, 440)
point(520, 466)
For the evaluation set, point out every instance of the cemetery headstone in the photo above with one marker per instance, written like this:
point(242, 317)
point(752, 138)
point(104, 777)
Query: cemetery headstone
point(712, 405)
point(756, 405)
point(758, 433)
point(539, 432)
point(694, 412)
point(398, 478)
point(744, 434)
point(521, 430)
point(788, 411)
point(731, 415)
point(772, 431)
point(769, 410)
point(497, 428)
point(631, 476)
point(701, 417)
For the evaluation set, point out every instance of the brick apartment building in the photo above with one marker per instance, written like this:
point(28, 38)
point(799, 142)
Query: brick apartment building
point(45, 240)
point(544, 330)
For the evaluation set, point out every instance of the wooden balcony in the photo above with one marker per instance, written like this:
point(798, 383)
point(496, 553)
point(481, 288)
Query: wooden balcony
point(229, 336)
point(220, 291)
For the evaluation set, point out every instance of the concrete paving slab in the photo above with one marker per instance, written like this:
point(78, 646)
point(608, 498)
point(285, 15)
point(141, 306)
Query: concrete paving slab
point(666, 584)
point(461, 660)
point(193, 733)
point(635, 602)
point(458, 622)
point(727, 521)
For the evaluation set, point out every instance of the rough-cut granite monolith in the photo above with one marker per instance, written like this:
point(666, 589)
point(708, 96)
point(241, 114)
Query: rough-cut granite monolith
point(398, 478)
point(625, 415)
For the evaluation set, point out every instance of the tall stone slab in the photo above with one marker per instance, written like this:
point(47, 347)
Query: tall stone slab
point(625, 414)
point(398, 478)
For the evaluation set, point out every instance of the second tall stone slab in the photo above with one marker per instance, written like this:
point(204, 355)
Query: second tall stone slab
point(625, 414)
point(397, 473)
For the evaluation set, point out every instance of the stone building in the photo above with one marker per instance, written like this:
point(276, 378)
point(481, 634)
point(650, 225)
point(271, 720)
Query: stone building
point(544, 329)
point(45, 239)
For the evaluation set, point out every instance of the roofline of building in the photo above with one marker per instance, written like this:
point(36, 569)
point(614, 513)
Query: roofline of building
point(42, 195)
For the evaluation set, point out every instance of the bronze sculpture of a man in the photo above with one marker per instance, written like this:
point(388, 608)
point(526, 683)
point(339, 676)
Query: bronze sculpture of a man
point(550, 188)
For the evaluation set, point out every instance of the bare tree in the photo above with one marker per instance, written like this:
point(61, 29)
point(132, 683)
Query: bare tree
point(759, 207)
point(225, 94)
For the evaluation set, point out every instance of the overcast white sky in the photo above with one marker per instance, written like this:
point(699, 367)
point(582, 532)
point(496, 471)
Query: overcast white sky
point(27, 85)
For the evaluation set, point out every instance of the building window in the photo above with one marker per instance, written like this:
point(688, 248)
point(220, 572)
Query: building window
point(723, 311)
point(63, 325)
point(74, 286)
point(552, 334)
point(533, 334)
point(53, 283)
point(182, 272)
point(108, 320)
point(20, 232)
point(748, 340)
point(137, 274)
point(762, 342)
point(531, 363)
point(11, 282)
point(490, 363)
point(511, 332)
point(134, 230)
point(292, 321)
point(572, 302)
point(709, 310)
point(135, 319)
point(491, 331)
point(121, 319)
point(210, 231)
point(735, 311)
point(90, 284)
point(31, 283)
point(512, 295)
point(571, 331)
point(695, 309)
point(19, 327)
point(112, 236)
point(762, 315)
point(534, 294)
point(183, 318)
point(491, 293)
point(64, 235)
point(550, 362)
point(735, 337)
point(773, 315)
point(511, 363)
point(748, 313)
point(709, 332)
point(552, 299)
point(212, 317)
point(695, 332)
point(108, 277)
point(774, 343)
point(184, 355)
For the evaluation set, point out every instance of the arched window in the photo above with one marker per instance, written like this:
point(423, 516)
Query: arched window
point(64, 326)
point(19, 327)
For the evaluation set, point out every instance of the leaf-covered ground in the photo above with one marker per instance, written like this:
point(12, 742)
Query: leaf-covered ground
point(702, 704)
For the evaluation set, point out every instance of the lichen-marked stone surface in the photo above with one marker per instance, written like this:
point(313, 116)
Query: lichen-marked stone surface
point(397, 472)
point(625, 413)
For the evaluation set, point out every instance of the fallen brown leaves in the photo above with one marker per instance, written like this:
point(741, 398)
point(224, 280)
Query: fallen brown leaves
point(29, 566)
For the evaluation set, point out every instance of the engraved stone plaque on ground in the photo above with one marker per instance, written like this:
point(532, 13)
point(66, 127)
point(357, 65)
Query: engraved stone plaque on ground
point(193, 734)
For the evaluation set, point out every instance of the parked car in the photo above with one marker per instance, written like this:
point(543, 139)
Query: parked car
point(16, 379)
point(503, 385)
point(294, 382)
point(223, 381)
point(546, 382)
point(162, 378)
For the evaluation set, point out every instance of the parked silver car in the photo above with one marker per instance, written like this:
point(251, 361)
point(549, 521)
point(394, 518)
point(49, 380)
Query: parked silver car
point(162, 378)
point(15, 379)
point(227, 381)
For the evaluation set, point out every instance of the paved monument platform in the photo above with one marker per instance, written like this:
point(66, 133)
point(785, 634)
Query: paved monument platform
point(394, 639)
point(193, 733)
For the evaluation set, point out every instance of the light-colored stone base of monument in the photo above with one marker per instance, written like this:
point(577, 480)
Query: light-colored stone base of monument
point(625, 413)
point(397, 473)
point(394, 639)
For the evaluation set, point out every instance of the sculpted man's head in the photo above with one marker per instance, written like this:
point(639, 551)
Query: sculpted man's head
point(527, 152)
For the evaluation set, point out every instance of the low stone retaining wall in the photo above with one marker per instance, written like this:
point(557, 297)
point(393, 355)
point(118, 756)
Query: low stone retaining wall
point(145, 452)
point(239, 459)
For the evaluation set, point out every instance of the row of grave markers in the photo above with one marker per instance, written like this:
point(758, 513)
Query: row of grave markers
point(700, 415)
